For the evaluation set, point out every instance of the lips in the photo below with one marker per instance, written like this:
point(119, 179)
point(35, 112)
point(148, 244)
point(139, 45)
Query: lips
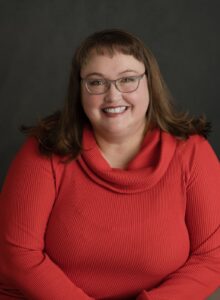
point(115, 110)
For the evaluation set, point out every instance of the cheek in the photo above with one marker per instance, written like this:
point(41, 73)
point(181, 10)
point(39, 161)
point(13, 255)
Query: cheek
point(85, 99)
point(85, 103)
point(144, 96)
point(140, 101)
point(86, 106)
point(90, 104)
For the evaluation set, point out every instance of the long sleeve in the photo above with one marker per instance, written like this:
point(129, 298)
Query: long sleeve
point(199, 277)
point(26, 202)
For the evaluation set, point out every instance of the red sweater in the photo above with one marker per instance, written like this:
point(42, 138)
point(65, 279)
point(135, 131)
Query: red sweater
point(85, 230)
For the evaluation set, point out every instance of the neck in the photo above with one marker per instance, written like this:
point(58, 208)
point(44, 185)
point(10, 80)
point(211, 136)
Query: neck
point(120, 150)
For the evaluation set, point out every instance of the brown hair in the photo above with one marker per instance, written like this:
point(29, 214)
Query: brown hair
point(61, 132)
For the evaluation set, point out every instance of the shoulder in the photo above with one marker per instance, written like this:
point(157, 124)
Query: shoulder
point(195, 145)
point(197, 157)
point(30, 165)
point(29, 152)
point(30, 157)
point(28, 161)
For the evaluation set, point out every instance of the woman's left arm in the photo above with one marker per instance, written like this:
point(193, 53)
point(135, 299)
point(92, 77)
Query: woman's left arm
point(199, 277)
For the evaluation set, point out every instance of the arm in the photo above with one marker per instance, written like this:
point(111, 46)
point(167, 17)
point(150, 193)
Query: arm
point(26, 202)
point(199, 277)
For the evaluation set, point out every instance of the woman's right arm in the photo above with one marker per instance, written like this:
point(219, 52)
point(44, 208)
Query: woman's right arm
point(26, 202)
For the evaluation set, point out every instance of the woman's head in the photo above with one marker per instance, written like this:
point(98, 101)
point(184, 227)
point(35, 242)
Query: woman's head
point(114, 95)
point(109, 43)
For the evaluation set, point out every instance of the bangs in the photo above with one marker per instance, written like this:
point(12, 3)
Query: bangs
point(110, 45)
point(113, 49)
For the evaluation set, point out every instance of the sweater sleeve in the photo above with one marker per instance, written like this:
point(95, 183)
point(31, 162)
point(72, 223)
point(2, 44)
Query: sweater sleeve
point(26, 202)
point(199, 277)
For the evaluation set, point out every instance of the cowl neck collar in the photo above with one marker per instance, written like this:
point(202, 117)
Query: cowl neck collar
point(142, 173)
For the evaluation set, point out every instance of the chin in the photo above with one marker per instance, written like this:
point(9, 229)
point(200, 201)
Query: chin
point(116, 130)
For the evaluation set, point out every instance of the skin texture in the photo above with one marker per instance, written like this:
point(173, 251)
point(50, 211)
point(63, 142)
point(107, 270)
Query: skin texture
point(120, 135)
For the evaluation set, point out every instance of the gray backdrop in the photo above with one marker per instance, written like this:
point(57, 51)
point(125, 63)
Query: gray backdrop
point(38, 39)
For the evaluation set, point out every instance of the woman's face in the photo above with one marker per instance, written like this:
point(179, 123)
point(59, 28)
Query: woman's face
point(114, 112)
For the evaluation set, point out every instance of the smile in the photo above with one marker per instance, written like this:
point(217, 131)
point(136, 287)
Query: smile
point(115, 110)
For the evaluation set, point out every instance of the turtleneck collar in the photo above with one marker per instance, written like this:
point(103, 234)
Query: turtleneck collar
point(143, 172)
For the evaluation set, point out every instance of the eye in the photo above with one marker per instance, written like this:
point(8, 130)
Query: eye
point(96, 82)
point(128, 79)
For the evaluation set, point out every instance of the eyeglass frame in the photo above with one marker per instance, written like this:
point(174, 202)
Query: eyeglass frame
point(109, 82)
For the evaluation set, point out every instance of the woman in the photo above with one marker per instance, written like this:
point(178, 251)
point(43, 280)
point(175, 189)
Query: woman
point(117, 195)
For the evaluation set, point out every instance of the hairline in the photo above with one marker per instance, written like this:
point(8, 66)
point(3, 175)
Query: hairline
point(110, 51)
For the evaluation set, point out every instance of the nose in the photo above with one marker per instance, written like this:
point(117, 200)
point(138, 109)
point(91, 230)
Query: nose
point(112, 94)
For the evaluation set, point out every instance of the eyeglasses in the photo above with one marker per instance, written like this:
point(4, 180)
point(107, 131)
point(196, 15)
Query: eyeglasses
point(98, 86)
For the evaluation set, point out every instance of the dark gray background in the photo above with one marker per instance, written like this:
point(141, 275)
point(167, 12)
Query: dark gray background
point(38, 39)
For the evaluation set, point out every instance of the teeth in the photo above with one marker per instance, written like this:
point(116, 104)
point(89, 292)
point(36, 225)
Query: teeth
point(115, 110)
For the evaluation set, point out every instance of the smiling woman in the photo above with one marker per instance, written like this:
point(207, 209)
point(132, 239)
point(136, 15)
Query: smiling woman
point(116, 195)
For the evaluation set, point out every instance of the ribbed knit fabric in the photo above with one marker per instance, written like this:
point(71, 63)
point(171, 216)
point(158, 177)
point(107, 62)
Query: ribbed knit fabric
point(84, 230)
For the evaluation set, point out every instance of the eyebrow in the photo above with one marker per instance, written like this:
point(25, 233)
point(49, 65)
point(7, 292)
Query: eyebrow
point(129, 70)
point(100, 74)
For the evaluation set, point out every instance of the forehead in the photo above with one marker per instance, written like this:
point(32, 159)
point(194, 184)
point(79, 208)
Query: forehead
point(110, 63)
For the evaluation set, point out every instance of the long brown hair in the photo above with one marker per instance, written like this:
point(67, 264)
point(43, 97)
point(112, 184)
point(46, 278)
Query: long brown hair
point(61, 132)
